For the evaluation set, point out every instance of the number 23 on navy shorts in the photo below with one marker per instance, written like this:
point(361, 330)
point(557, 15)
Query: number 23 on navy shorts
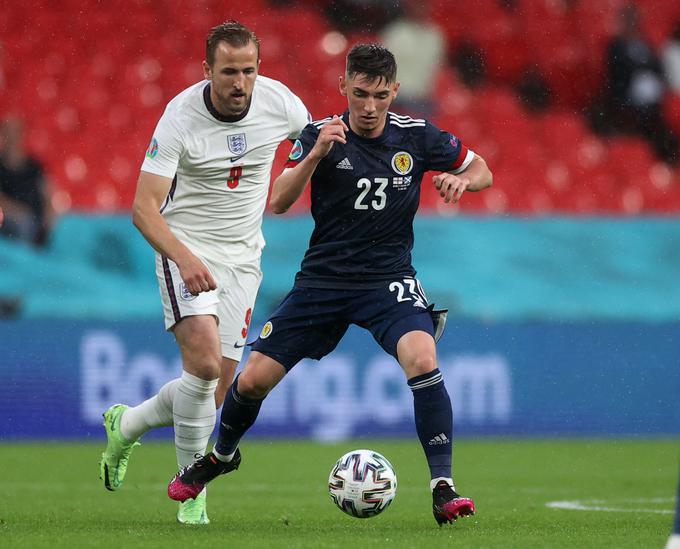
point(310, 322)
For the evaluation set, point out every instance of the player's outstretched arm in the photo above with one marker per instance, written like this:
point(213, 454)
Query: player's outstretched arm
point(151, 192)
point(288, 186)
point(476, 177)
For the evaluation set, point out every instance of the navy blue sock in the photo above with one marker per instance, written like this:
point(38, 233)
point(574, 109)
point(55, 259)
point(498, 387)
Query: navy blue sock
point(238, 415)
point(434, 421)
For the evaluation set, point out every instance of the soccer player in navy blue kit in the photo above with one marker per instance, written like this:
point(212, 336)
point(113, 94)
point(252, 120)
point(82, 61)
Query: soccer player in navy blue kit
point(366, 168)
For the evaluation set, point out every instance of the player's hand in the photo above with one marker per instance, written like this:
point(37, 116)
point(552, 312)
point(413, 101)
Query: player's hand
point(330, 133)
point(450, 187)
point(195, 275)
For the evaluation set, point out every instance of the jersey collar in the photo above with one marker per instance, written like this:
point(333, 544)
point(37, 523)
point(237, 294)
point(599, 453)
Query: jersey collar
point(216, 114)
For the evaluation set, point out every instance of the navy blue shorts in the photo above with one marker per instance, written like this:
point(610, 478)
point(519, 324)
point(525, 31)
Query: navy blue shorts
point(310, 322)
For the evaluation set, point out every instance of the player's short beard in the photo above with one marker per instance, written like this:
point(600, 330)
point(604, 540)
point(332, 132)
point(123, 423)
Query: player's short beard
point(224, 105)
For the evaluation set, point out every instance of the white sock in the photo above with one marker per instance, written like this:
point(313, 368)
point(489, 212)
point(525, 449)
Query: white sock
point(193, 410)
point(435, 481)
point(673, 541)
point(222, 457)
point(152, 413)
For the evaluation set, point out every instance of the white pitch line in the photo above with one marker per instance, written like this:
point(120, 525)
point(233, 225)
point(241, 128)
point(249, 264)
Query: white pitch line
point(598, 505)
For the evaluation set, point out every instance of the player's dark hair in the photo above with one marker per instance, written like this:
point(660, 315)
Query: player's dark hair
point(373, 60)
point(233, 33)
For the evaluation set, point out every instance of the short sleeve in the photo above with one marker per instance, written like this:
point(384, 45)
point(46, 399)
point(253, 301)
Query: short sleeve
point(445, 152)
point(165, 149)
point(298, 115)
point(303, 144)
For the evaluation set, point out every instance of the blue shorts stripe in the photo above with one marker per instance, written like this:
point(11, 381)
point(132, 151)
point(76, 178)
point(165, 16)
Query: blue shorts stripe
point(171, 289)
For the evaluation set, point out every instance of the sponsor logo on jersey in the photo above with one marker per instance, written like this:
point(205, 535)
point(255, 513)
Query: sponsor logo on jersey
point(185, 293)
point(401, 183)
point(235, 158)
point(237, 143)
point(344, 164)
point(402, 163)
point(152, 151)
point(453, 140)
point(296, 151)
point(266, 330)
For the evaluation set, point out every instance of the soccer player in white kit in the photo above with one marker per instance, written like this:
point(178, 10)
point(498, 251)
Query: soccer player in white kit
point(200, 198)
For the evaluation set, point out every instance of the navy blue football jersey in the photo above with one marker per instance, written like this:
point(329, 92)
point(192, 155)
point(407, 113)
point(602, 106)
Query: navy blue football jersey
point(365, 195)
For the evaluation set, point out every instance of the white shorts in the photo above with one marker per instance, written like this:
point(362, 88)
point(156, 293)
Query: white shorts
point(231, 303)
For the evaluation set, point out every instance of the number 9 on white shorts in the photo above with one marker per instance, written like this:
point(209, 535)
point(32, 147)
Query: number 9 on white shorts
point(231, 303)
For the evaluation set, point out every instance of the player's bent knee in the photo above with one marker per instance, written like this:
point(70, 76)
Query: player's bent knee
point(420, 365)
point(205, 367)
point(260, 376)
point(253, 386)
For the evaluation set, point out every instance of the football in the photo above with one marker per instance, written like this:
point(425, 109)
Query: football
point(362, 483)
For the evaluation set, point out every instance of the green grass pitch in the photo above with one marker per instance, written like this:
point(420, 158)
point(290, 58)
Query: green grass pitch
point(52, 497)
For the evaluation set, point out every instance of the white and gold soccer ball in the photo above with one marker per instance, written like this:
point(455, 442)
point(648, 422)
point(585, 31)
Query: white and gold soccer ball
point(362, 483)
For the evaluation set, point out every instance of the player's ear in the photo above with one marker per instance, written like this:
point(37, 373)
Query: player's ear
point(395, 90)
point(343, 86)
point(207, 72)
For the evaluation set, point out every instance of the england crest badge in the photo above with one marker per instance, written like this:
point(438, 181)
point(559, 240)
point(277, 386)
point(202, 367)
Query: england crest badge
point(237, 143)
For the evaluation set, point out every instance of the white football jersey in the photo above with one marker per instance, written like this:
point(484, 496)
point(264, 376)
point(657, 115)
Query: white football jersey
point(221, 169)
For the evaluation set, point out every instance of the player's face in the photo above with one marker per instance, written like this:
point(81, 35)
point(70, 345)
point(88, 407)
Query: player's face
point(369, 100)
point(232, 77)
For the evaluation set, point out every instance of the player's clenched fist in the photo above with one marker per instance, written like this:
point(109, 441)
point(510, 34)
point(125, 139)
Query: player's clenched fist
point(196, 275)
point(332, 132)
point(450, 187)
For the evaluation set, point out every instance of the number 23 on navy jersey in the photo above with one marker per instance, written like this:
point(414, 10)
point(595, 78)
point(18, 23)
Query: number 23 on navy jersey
point(365, 194)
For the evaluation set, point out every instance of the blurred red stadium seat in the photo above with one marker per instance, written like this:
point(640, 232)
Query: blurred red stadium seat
point(672, 111)
point(93, 97)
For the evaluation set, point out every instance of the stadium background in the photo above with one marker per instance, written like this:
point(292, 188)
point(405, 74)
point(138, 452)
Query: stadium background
point(562, 279)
